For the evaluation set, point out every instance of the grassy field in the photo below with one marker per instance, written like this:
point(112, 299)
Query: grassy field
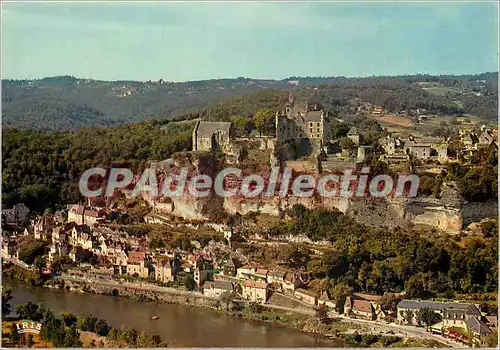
point(389, 119)
point(284, 318)
point(442, 90)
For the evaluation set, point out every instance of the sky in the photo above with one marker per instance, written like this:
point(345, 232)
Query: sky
point(195, 41)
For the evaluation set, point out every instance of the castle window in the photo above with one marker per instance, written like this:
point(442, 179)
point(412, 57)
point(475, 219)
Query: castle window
point(317, 124)
point(310, 124)
point(310, 130)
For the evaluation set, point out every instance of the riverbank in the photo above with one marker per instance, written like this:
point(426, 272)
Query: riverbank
point(178, 325)
point(341, 330)
point(354, 332)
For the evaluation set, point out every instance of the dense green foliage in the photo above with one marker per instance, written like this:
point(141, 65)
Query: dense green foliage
point(478, 181)
point(6, 298)
point(378, 260)
point(29, 277)
point(127, 337)
point(29, 251)
point(64, 331)
point(42, 169)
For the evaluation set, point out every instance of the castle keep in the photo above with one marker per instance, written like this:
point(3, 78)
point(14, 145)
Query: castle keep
point(302, 123)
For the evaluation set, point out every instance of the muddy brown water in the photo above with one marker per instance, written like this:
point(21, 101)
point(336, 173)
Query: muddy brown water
point(179, 325)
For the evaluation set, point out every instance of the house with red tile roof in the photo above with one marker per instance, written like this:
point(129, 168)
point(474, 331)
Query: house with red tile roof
point(357, 308)
point(255, 291)
point(84, 216)
point(136, 264)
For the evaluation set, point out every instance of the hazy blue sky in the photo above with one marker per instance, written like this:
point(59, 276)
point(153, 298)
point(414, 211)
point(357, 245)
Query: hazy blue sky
point(191, 41)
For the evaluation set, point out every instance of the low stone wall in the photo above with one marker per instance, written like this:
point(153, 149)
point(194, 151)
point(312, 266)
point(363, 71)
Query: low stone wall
point(127, 291)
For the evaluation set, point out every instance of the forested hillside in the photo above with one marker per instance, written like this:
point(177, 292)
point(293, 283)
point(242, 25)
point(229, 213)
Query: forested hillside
point(42, 169)
point(377, 260)
point(68, 103)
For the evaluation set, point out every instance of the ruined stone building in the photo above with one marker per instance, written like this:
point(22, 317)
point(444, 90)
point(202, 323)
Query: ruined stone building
point(208, 136)
point(302, 123)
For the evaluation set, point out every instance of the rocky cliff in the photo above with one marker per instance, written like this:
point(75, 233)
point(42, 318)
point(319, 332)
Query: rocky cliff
point(449, 212)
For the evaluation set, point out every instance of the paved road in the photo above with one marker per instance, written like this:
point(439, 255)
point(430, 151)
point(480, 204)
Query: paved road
point(415, 332)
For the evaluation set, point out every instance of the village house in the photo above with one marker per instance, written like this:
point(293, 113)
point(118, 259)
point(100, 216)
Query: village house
point(119, 263)
point(77, 232)
point(42, 226)
point(485, 139)
point(136, 264)
point(357, 308)
point(255, 291)
point(9, 248)
point(15, 216)
point(260, 274)
point(307, 296)
point(426, 147)
point(164, 271)
point(291, 282)
point(58, 249)
point(75, 253)
point(210, 136)
point(461, 315)
point(325, 299)
point(203, 271)
point(82, 215)
point(60, 234)
point(478, 330)
point(354, 135)
point(375, 300)
point(88, 241)
point(216, 289)
point(245, 271)
point(276, 278)
point(419, 147)
point(453, 314)
point(230, 268)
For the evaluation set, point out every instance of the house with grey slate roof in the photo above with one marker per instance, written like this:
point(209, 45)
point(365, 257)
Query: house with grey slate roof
point(454, 315)
point(209, 136)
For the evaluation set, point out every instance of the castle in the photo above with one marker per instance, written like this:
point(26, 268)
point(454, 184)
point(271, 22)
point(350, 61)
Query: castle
point(303, 123)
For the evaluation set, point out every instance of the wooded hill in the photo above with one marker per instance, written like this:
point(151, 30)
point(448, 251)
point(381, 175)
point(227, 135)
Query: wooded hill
point(67, 103)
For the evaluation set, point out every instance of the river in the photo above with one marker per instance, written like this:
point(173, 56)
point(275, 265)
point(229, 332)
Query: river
point(179, 325)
